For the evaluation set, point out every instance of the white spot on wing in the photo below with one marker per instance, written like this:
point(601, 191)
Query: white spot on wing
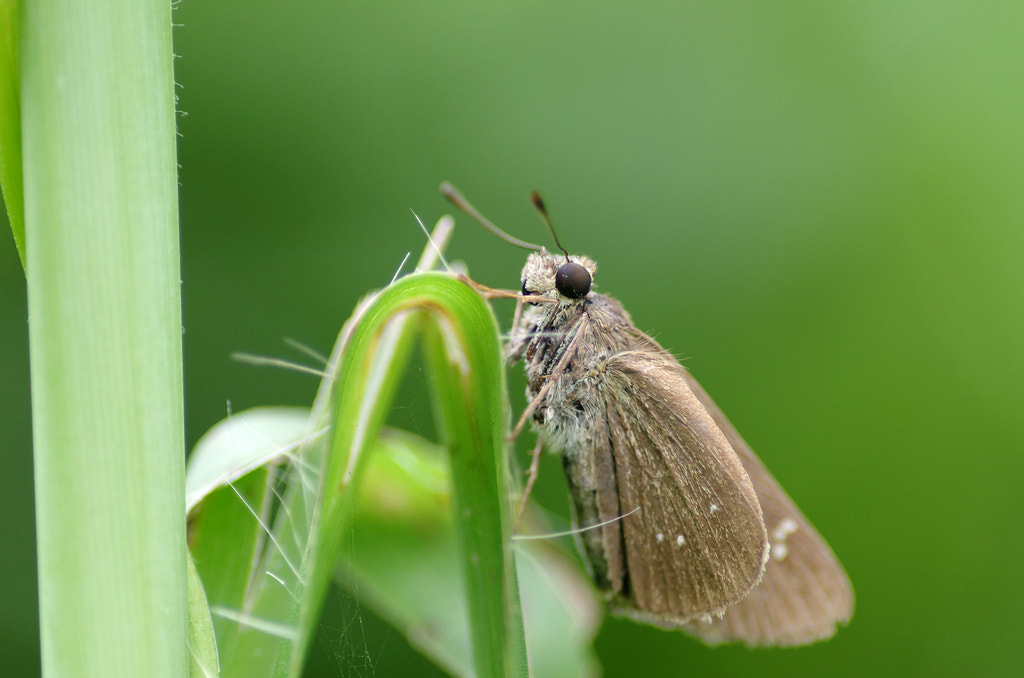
point(713, 509)
point(659, 537)
point(680, 540)
point(786, 527)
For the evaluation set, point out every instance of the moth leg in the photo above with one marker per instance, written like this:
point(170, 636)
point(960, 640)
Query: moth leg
point(516, 316)
point(531, 477)
point(492, 293)
point(563, 362)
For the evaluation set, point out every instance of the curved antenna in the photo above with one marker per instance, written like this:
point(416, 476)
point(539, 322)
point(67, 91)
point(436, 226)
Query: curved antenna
point(539, 204)
point(456, 198)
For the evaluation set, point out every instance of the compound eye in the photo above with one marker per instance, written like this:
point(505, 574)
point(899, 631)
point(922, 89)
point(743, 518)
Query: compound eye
point(526, 292)
point(572, 280)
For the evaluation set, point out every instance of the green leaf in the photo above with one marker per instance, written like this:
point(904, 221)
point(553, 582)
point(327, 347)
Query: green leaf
point(468, 371)
point(268, 596)
point(201, 641)
point(10, 125)
point(403, 559)
point(468, 383)
point(241, 443)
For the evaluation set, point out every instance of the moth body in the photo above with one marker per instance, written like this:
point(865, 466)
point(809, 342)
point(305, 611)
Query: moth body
point(687, 533)
point(680, 523)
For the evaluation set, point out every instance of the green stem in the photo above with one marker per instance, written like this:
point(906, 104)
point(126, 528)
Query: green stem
point(100, 192)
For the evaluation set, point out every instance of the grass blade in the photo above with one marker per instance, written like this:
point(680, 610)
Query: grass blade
point(290, 520)
point(100, 188)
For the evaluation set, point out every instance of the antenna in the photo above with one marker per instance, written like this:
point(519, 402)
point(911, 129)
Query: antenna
point(539, 204)
point(456, 198)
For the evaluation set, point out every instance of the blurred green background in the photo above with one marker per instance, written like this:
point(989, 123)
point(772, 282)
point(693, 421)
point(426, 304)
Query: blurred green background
point(819, 205)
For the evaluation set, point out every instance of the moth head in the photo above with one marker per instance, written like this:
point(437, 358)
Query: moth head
point(553, 276)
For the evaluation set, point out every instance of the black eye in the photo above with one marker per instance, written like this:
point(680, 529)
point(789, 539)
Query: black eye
point(572, 280)
point(526, 292)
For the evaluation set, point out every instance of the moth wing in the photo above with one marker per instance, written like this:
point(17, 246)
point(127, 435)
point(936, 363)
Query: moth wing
point(805, 592)
point(694, 541)
point(590, 473)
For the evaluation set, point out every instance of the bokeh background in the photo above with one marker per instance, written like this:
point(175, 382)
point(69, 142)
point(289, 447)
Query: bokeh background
point(819, 205)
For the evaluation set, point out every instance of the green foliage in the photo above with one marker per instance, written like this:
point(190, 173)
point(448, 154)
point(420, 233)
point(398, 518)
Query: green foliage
point(268, 541)
point(10, 125)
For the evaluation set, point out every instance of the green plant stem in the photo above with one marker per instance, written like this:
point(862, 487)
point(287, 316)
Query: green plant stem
point(105, 335)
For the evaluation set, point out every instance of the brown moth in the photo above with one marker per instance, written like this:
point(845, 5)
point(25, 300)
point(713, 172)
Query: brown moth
point(680, 523)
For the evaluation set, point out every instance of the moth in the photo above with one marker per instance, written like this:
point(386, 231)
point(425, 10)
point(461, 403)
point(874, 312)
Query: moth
point(680, 523)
